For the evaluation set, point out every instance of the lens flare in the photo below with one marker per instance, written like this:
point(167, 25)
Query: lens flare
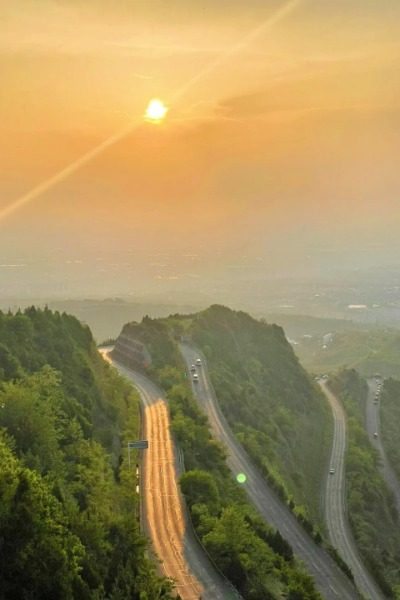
point(241, 478)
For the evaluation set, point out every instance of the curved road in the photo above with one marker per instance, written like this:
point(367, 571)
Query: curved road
point(372, 423)
point(330, 580)
point(335, 505)
point(181, 556)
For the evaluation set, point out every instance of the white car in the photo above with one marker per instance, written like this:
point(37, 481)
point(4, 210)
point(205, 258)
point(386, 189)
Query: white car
point(331, 471)
point(198, 362)
point(195, 378)
point(193, 369)
point(375, 434)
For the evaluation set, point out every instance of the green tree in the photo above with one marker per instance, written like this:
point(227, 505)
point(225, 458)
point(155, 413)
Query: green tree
point(40, 556)
point(9, 365)
point(199, 487)
point(31, 413)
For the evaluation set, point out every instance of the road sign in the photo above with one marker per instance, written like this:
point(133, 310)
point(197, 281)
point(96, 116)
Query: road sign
point(139, 445)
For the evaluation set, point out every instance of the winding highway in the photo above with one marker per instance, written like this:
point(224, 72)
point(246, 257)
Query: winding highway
point(372, 423)
point(335, 504)
point(180, 554)
point(330, 580)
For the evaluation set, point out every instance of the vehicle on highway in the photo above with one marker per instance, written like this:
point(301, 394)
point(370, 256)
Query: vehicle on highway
point(375, 434)
point(193, 369)
point(195, 378)
point(331, 471)
point(198, 362)
point(376, 401)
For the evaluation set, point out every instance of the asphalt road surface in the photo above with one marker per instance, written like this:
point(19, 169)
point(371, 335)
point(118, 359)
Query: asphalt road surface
point(181, 556)
point(330, 580)
point(372, 423)
point(335, 505)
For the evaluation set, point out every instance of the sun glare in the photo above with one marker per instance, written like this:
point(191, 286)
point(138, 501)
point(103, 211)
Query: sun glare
point(156, 111)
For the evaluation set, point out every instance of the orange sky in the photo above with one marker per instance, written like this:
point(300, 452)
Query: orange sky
point(296, 132)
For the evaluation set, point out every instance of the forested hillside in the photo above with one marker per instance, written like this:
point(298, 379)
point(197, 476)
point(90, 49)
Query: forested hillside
point(68, 511)
point(253, 556)
point(390, 422)
point(371, 508)
point(269, 400)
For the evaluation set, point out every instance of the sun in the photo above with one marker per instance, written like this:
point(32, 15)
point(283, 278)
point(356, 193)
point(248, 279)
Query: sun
point(156, 111)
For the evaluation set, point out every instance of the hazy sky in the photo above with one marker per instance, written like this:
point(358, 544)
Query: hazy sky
point(293, 142)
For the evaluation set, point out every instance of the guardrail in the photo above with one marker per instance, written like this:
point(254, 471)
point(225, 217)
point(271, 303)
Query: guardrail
point(180, 467)
point(181, 460)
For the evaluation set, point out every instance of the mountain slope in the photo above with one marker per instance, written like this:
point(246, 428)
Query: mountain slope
point(371, 508)
point(269, 400)
point(390, 422)
point(253, 556)
point(68, 507)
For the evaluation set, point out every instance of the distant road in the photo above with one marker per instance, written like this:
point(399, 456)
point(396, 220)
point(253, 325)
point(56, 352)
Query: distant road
point(335, 505)
point(330, 580)
point(181, 556)
point(372, 422)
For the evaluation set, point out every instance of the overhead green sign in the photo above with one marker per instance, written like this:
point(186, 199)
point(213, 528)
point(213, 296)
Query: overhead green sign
point(139, 445)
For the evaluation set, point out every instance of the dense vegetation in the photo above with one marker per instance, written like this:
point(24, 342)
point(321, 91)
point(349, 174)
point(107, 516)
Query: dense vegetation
point(254, 557)
point(372, 514)
point(68, 524)
point(274, 408)
point(390, 420)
